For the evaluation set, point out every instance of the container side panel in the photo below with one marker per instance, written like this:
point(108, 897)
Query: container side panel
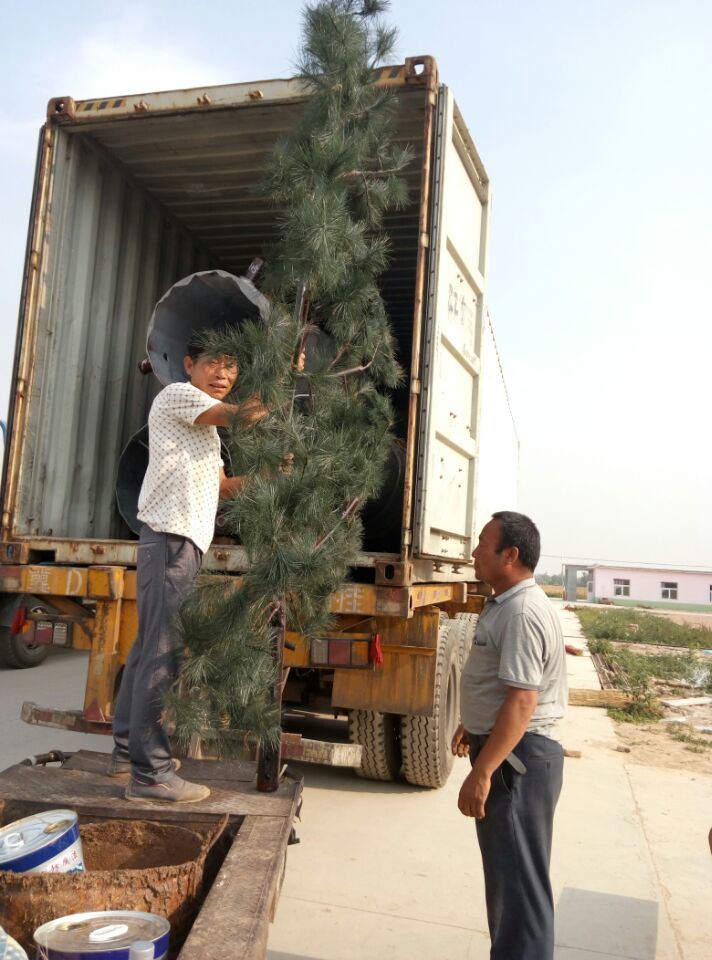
point(499, 445)
point(448, 449)
point(111, 252)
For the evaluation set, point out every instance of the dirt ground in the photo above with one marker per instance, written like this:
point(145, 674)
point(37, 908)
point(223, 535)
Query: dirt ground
point(655, 744)
point(652, 744)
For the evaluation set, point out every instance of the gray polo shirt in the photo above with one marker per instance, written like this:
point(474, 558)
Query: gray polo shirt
point(518, 643)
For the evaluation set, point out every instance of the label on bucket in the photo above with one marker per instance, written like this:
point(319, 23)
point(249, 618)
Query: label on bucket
point(46, 842)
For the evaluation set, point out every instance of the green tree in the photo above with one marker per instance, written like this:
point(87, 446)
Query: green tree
point(333, 180)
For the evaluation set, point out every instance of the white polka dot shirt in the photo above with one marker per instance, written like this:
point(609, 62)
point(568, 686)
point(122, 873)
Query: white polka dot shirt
point(181, 488)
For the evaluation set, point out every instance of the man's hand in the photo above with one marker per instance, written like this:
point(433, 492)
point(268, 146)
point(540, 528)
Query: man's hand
point(301, 360)
point(460, 745)
point(473, 793)
point(287, 464)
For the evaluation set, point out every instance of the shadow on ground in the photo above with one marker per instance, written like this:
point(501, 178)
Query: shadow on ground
point(604, 923)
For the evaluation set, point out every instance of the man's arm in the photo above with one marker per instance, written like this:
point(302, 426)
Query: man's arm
point(222, 414)
point(509, 728)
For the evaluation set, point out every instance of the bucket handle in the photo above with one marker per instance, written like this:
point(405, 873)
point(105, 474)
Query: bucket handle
point(11, 841)
point(110, 932)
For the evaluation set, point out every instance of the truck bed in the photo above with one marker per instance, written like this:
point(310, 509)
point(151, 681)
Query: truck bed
point(242, 898)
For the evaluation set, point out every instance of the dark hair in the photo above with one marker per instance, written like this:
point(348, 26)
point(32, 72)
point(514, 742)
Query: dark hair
point(520, 532)
point(199, 344)
point(196, 345)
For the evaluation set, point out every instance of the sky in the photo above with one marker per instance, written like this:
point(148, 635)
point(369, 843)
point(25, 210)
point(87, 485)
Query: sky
point(592, 118)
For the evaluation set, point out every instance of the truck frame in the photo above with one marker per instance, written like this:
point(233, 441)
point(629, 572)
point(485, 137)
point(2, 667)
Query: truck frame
point(113, 173)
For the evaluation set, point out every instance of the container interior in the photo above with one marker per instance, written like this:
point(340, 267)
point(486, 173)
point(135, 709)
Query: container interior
point(136, 204)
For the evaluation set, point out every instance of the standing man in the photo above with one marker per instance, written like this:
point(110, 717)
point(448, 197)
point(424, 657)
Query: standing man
point(513, 695)
point(177, 505)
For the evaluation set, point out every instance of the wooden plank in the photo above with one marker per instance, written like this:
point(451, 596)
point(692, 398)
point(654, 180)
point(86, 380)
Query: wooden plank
point(234, 919)
point(687, 702)
point(93, 761)
point(100, 795)
point(327, 752)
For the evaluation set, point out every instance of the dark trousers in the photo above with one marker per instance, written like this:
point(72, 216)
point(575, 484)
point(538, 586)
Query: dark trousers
point(166, 567)
point(515, 842)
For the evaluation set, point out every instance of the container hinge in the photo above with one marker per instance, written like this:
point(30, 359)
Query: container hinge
point(407, 537)
point(415, 385)
point(424, 239)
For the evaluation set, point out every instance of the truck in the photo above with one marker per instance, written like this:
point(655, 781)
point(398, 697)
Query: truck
point(133, 193)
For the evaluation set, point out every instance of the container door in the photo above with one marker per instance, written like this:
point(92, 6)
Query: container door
point(446, 476)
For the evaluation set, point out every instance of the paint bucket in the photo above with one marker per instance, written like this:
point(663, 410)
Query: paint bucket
point(10, 949)
point(46, 842)
point(108, 934)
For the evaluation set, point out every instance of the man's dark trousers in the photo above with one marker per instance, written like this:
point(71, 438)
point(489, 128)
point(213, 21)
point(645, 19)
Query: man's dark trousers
point(165, 569)
point(515, 842)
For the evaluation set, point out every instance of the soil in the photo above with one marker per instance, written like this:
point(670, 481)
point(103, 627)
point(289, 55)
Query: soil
point(137, 845)
point(131, 865)
point(653, 745)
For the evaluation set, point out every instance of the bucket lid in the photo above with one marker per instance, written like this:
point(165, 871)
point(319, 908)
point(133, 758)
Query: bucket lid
point(22, 837)
point(108, 933)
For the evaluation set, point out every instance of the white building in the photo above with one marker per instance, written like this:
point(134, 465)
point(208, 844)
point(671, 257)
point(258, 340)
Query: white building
point(657, 586)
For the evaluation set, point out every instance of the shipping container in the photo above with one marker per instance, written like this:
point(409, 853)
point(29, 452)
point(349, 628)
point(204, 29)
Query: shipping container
point(133, 193)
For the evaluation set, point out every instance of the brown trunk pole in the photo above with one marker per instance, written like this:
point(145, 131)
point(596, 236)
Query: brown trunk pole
point(268, 761)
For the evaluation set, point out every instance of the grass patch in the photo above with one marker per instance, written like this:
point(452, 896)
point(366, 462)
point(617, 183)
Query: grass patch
point(634, 627)
point(634, 673)
point(693, 742)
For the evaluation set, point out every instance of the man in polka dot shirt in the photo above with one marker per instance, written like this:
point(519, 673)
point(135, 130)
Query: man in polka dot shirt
point(177, 505)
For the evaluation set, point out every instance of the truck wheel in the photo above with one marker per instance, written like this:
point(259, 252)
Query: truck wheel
point(16, 652)
point(465, 625)
point(378, 735)
point(425, 741)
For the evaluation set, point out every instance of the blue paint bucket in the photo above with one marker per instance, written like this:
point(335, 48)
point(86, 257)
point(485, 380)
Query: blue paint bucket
point(47, 842)
point(107, 935)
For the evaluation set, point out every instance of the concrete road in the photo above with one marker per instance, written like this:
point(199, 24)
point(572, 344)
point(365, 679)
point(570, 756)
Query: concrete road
point(58, 682)
point(389, 871)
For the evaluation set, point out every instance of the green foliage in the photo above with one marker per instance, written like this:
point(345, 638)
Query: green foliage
point(634, 672)
point(683, 733)
point(332, 180)
point(632, 627)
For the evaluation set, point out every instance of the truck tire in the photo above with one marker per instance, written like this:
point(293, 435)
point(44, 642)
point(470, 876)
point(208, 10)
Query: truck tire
point(378, 735)
point(425, 741)
point(16, 652)
point(465, 625)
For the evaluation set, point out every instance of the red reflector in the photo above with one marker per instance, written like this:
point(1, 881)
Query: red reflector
point(18, 621)
point(44, 631)
point(340, 653)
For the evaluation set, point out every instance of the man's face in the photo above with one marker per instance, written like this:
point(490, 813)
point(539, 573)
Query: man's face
point(489, 562)
point(215, 376)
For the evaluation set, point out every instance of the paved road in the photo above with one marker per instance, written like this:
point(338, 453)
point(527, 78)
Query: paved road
point(58, 682)
point(389, 871)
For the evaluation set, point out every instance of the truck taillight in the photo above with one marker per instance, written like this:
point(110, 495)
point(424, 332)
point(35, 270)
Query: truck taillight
point(339, 652)
point(18, 621)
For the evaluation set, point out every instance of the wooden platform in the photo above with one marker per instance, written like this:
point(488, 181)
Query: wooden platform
point(234, 918)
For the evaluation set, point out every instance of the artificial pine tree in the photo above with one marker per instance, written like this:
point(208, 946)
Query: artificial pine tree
point(332, 180)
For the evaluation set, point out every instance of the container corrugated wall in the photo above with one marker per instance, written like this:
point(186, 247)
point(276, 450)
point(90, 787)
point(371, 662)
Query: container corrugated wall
point(110, 253)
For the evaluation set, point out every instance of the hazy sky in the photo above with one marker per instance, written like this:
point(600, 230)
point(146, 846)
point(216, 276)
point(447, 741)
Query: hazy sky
point(593, 120)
